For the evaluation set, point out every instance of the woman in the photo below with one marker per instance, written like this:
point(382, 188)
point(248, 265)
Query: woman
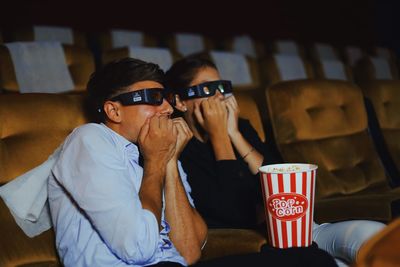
point(223, 157)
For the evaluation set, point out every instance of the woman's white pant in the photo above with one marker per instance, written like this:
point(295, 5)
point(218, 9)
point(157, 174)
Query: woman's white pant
point(343, 239)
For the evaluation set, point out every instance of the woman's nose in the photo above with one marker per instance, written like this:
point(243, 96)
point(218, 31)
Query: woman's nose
point(219, 95)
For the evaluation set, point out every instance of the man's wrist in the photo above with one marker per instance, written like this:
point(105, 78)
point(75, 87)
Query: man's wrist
point(151, 166)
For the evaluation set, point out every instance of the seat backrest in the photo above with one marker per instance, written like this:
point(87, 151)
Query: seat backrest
point(249, 110)
point(242, 70)
point(32, 126)
point(161, 56)
point(65, 35)
point(117, 38)
point(333, 70)
point(325, 123)
point(352, 54)
point(79, 61)
point(185, 44)
point(385, 97)
point(322, 51)
point(246, 45)
point(287, 47)
point(372, 68)
point(382, 250)
point(281, 67)
point(384, 52)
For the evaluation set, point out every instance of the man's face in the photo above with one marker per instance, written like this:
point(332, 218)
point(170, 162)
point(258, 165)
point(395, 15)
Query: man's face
point(134, 116)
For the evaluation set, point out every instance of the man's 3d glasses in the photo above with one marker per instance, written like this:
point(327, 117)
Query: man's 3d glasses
point(150, 96)
point(206, 89)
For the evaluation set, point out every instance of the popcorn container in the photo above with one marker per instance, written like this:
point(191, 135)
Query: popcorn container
point(288, 192)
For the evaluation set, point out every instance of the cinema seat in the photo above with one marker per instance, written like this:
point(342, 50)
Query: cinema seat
point(382, 250)
point(325, 123)
point(79, 62)
point(65, 35)
point(161, 56)
point(385, 98)
point(118, 38)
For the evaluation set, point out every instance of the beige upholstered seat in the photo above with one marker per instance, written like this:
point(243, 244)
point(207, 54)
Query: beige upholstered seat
point(385, 97)
point(372, 68)
point(352, 54)
point(249, 110)
point(325, 123)
point(117, 38)
point(32, 126)
point(333, 70)
point(79, 61)
point(240, 69)
point(287, 47)
point(65, 35)
point(322, 51)
point(282, 67)
point(382, 250)
point(246, 45)
point(185, 44)
point(161, 56)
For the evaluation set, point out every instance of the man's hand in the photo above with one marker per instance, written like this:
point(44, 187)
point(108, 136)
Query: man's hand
point(157, 140)
point(233, 115)
point(212, 115)
point(184, 134)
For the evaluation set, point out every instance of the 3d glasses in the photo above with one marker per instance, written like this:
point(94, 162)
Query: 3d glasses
point(206, 89)
point(150, 96)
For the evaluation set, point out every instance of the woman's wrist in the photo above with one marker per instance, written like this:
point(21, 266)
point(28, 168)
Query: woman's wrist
point(235, 135)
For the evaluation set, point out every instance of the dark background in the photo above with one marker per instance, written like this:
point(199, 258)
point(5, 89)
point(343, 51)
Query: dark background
point(367, 22)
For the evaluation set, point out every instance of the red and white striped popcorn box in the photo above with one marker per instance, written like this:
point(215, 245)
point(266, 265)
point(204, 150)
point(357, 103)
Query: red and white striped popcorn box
point(288, 191)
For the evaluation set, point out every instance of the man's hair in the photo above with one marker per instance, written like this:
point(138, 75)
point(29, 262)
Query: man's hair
point(114, 78)
point(183, 71)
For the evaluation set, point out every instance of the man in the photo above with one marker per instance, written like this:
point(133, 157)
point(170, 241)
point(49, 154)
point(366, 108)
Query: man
point(108, 210)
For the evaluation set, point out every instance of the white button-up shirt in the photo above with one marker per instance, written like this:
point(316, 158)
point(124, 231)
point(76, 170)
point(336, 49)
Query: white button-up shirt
point(95, 206)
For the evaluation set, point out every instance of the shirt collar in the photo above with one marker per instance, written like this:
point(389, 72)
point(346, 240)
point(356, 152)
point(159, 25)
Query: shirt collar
point(131, 149)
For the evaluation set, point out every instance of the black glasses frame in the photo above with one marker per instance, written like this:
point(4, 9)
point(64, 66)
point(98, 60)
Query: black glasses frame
point(206, 89)
point(148, 96)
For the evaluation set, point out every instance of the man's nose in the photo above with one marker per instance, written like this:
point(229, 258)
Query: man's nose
point(166, 108)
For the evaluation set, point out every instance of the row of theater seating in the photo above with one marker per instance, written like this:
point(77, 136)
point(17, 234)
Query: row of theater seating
point(325, 56)
point(245, 72)
point(187, 43)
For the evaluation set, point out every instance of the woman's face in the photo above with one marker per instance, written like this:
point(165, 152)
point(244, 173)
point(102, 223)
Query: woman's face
point(206, 74)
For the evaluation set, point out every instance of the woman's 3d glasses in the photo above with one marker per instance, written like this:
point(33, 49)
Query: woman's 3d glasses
point(150, 96)
point(206, 89)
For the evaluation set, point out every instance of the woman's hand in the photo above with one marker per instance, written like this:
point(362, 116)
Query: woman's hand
point(212, 115)
point(233, 115)
point(184, 134)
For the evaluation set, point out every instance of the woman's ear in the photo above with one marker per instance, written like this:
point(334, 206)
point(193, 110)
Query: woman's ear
point(180, 104)
point(113, 111)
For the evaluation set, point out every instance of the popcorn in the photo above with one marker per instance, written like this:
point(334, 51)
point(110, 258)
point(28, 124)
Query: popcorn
point(290, 168)
point(288, 192)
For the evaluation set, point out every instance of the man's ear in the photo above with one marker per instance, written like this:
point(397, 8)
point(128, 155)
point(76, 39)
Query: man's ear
point(113, 111)
point(180, 104)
